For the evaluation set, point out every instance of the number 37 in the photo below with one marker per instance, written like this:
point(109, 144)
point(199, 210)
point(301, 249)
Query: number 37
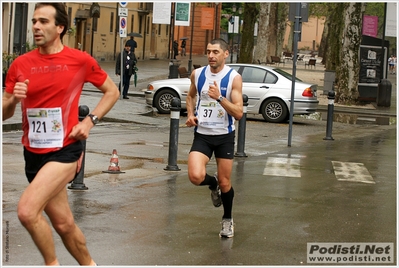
point(207, 113)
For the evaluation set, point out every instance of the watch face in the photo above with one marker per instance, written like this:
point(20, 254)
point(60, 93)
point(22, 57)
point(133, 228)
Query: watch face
point(94, 118)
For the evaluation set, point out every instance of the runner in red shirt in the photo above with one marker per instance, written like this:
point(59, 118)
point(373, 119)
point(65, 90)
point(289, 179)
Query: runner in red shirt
point(48, 82)
point(54, 88)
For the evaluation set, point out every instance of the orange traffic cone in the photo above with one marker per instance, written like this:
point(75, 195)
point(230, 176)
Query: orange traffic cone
point(114, 164)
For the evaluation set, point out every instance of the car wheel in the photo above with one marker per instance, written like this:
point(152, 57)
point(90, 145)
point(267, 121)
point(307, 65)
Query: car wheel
point(163, 99)
point(274, 111)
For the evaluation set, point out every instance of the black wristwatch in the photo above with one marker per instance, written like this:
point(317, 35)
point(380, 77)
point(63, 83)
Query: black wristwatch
point(93, 118)
point(220, 99)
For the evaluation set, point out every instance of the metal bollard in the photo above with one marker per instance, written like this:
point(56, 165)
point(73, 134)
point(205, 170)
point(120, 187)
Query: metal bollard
point(241, 129)
point(330, 115)
point(77, 183)
point(175, 108)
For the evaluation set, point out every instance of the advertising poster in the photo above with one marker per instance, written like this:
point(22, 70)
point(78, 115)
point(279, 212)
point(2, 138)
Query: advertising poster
point(391, 19)
point(182, 14)
point(162, 11)
point(207, 18)
point(371, 59)
point(370, 26)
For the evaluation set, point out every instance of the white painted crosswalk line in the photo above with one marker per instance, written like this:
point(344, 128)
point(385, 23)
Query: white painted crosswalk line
point(284, 167)
point(349, 171)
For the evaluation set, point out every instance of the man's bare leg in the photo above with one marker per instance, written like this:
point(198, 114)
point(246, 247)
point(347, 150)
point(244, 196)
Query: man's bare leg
point(63, 222)
point(48, 188)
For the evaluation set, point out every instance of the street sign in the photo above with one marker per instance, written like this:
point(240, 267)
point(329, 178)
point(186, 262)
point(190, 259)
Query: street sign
point(234, 24)
point(122, 12)
point(123, 4)
point(122, 27)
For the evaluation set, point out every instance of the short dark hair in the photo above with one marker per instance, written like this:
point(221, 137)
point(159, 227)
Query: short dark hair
point(61, 16)
point(222, 43)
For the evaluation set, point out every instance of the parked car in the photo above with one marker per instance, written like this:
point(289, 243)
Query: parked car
point(268, 90)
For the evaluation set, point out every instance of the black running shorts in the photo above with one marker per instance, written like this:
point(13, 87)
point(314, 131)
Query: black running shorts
point(34, 162)
point(221, 145)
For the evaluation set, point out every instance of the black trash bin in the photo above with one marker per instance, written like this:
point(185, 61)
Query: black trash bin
point(174, 69)
point(384, 93)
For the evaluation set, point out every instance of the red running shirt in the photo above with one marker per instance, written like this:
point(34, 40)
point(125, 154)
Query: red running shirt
point(55, 81)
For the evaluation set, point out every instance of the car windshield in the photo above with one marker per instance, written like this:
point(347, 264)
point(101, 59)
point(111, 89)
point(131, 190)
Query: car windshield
point(286, 75)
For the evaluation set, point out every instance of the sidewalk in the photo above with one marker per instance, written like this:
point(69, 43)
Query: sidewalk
point(150, 70)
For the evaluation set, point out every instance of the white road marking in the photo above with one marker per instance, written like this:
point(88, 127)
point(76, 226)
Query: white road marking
point(284, 167)
point(349, 171)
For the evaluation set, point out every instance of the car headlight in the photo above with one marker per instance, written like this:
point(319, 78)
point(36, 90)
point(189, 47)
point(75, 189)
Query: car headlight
point(150, 87)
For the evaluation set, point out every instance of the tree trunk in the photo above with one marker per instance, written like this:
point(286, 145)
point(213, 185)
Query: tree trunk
point(272, 31)
point(247, 40)
point(335, 26)
point(323, 43)
point(282, 14)
point(262, 40)
point(348, 70)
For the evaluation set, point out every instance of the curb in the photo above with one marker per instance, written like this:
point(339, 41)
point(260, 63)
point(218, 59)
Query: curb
point(320, 108)
point(353, 110)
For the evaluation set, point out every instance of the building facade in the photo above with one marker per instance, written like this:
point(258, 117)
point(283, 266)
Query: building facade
point(94, 28)
point(203, 28)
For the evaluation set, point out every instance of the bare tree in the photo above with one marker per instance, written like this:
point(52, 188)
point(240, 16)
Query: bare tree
point(281, 25)
point(272, 40)
point(348, 69)
point(261, 48)
point(334, 27)
point(247, 41)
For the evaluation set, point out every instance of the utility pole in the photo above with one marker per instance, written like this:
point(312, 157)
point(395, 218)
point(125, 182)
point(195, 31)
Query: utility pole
point(298, 14)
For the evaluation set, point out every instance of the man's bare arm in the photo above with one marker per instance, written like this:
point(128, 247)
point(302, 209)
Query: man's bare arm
point(9, 105)
point(190, 103)
point(107, 101)
point(10, 101)
point(235, 106)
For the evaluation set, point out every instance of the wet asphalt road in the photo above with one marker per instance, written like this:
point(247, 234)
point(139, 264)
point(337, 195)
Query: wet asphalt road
point(285, 197)
point(152, 216)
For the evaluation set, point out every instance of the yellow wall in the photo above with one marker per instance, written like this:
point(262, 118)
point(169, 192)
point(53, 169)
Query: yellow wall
point(311, 32)
point(106, 43)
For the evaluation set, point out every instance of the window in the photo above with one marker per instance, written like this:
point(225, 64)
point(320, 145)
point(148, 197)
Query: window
point(132, 24)
point(159, 29)
point(235, 67)
point(70, 17)
point(253, 75)
point(270, 78)
point(141, 24)
point(286, 75)
point(148, 25)
point(111, 24)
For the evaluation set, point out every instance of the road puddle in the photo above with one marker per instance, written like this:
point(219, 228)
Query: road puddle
point(358, 119)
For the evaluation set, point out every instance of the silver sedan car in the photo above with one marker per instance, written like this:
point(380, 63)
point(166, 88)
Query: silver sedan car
point(268, 90)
